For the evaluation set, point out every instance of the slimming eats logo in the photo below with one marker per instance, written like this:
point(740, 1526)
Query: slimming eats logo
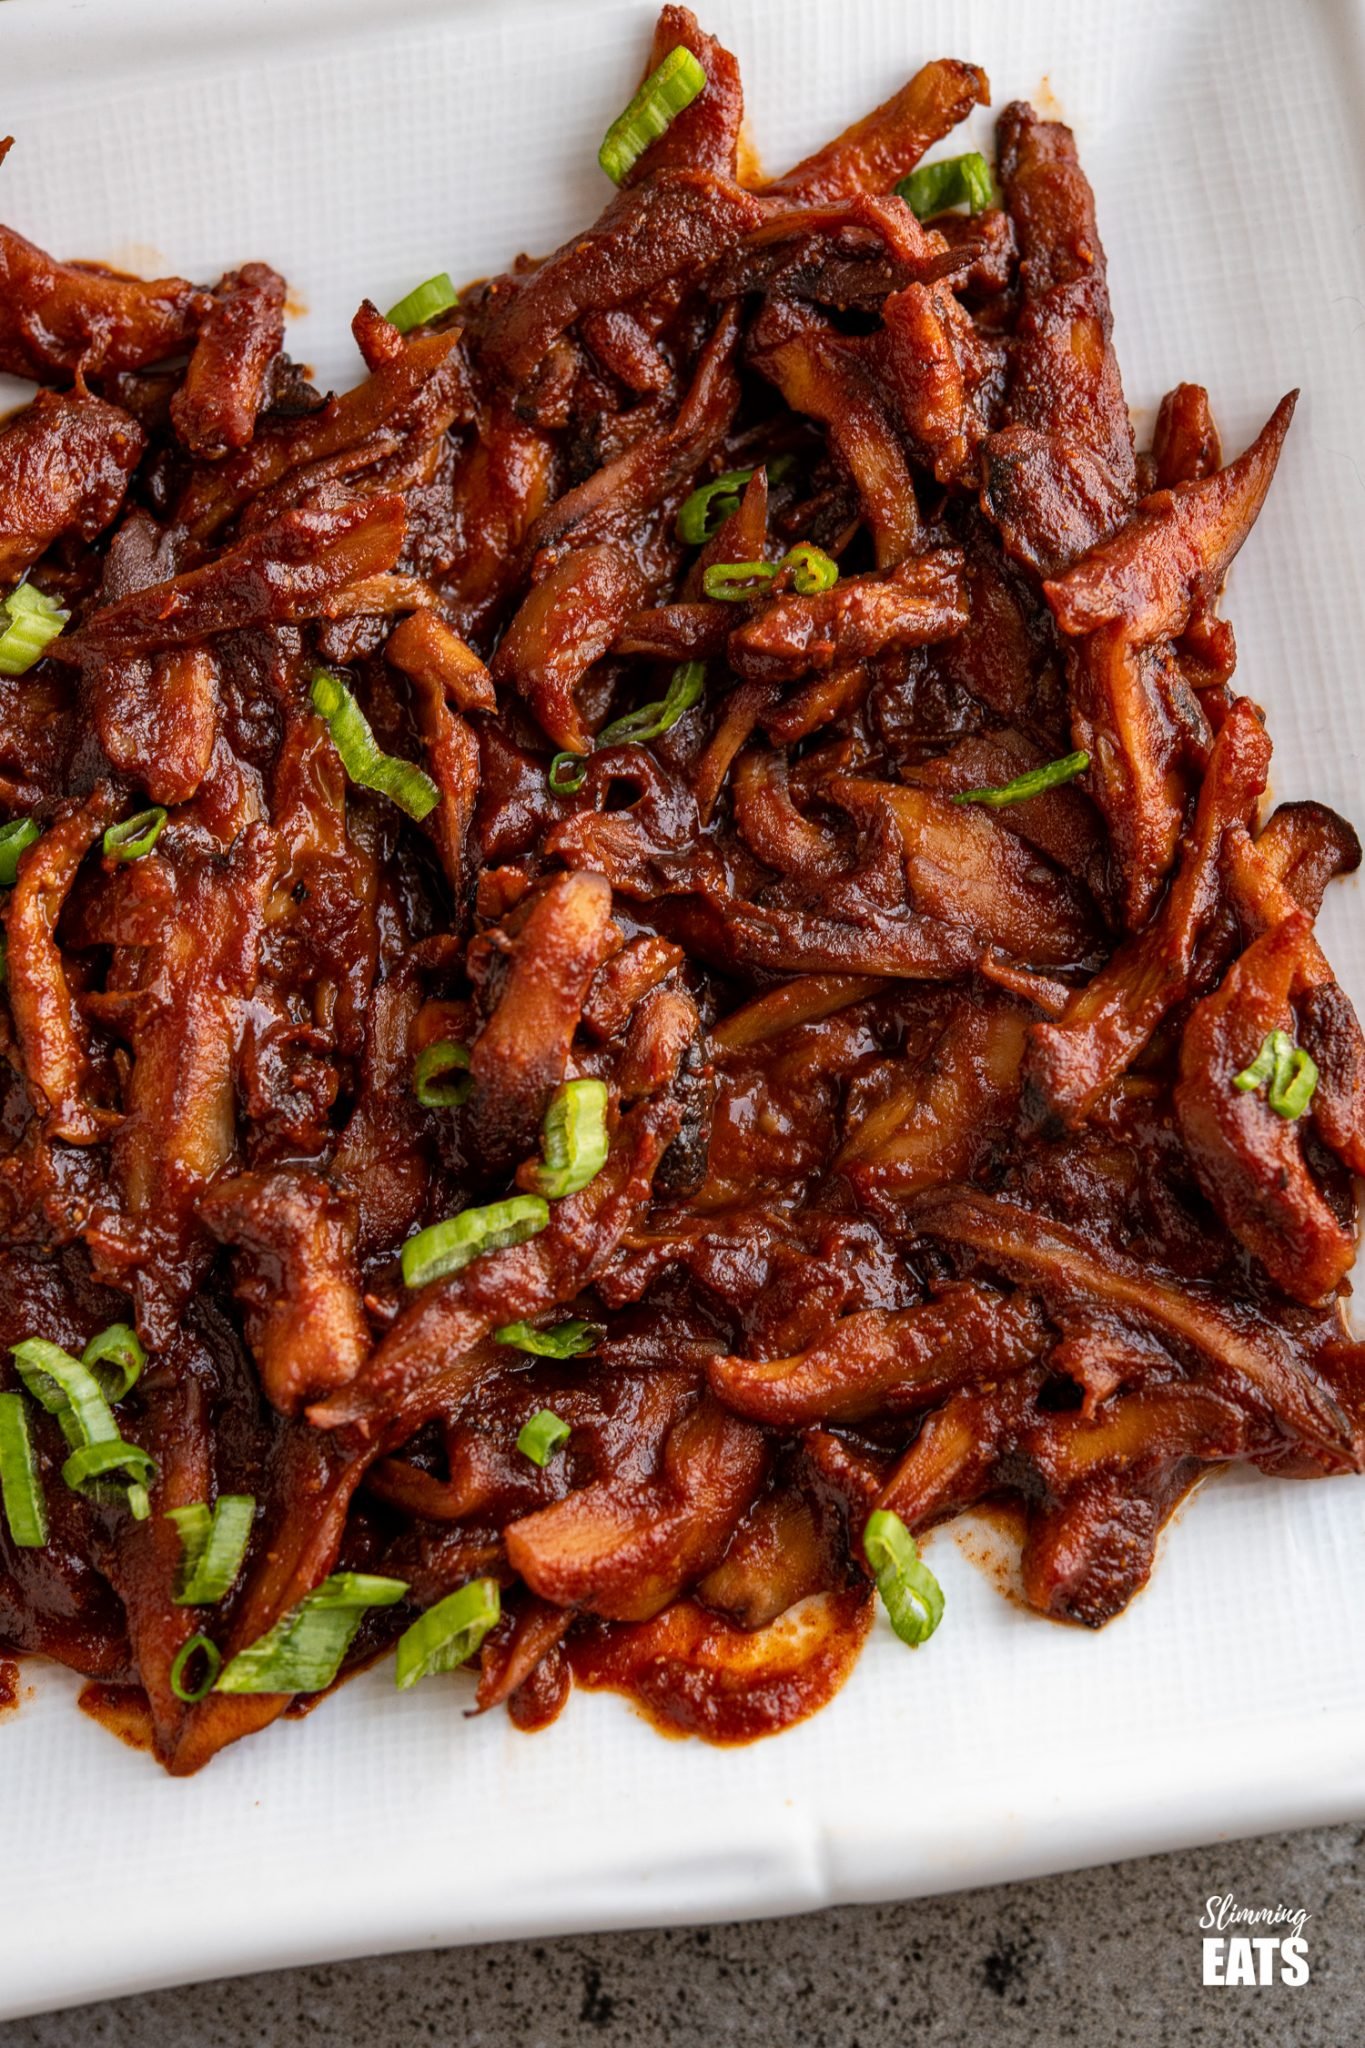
point(1260, 1957)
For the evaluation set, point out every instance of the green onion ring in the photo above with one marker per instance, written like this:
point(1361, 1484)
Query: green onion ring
point(445, 1248)
point(33, 622)
point(811, 568)
point(303, 1652)
point(21, 1492)
point(736, 582)
point(573, 1138)
point(566, 1340)
point(669, 88)
point(430, 1068)
point(90, 1465)
point(1292, 1089)
point(651, 721)
point(214, 1543)
point(568, 773)
point(1291, 1072)
point(136, 835)
point(118, 1348)
point(1276, 1047)
point(951, 181)
point(1032, 783)
point(213, 1664)
point(405, 784)
point(15, 838)
point(911, 1594)
point(424, 303)
point(542, 1436)
point(702, 515)
point(68, 1389)
point(449, 1633)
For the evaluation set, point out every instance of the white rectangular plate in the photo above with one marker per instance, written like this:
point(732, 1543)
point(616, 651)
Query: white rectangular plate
point(361, 146)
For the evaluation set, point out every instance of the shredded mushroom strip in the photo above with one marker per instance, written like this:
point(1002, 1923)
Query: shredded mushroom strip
point(641, 958)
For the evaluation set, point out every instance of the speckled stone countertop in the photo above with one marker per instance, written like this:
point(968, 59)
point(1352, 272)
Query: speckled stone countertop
point(1101, 1957)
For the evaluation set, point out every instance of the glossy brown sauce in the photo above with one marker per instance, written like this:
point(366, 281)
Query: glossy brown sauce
point(122, 1709)
point(749, 169)
point(543, 1696)
point(991, 1536)
point(690, 1673)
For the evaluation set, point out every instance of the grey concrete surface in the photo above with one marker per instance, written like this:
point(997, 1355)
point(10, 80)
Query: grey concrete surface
point(1100, 1957)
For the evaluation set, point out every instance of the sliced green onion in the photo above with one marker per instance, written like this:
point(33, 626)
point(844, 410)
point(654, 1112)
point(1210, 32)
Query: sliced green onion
point(213, 1545)
point(670, 87)
point(568, 773)
point(1292, 1075)
point(685, 686)
point(136, 835)
point(542, 1436)
point(303, 1651)
point(736, 582)
point(573, 1139)
point(911, 1594)
point(702, 516)
point(449, 1633)
point(951, 181)
point(1291, 1092)
point(24, 598)
point(14, 838)
point(32, 624)
point(21, 1492)
point(1276, 1047)
point(423, 303)
point(1050, 776)
point(565, 1340)
point(72, 1391)
point(91, 1464)
point(213, 1664)
point(68, 1389)
point(648, 722)
point(444, 1248)
point(430, 1068)
point(811, 568)
point(119, 1348)
point(410, 787)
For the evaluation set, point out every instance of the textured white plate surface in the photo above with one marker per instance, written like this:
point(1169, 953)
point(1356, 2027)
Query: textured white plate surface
point(360, 145)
